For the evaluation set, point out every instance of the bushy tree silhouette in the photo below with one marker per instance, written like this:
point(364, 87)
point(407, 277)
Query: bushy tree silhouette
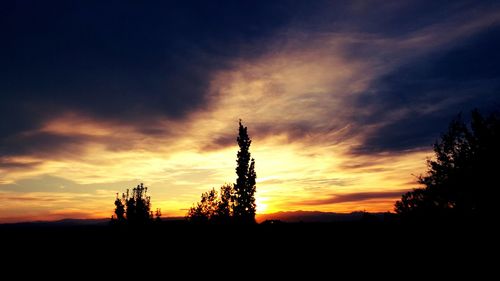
point(196, 213)
point(244, 189)
point(225, 204)
point(134, 208)
point(461, 182)
point(119, 209)
point(212, 207)
point(158, 215)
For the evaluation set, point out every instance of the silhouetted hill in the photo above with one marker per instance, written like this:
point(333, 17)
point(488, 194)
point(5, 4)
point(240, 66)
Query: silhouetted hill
point(316, 216)
point(291, 217)
point(74, 222)
point(63, 222)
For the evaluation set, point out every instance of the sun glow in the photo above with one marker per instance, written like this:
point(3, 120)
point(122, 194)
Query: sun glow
point(261, 207)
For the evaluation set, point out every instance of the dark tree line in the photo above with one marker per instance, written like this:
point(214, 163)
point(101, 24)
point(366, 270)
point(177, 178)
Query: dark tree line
point(462, 181)
point(134, 208)
point(234, 203)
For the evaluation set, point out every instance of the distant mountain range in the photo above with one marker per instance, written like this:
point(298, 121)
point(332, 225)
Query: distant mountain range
point(63, 222)
point(291, 216)
point(316, 216)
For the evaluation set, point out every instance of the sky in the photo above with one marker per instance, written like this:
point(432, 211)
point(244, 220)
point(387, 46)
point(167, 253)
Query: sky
point(343, 99)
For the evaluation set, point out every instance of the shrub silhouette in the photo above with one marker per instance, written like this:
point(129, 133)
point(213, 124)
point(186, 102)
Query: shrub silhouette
point(461, 183)
point(134, 208)
point(225, 205)
point(234, 203)
point(212, 206)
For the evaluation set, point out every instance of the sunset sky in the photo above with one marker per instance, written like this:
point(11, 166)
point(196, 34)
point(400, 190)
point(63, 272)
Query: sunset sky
point(343, 99)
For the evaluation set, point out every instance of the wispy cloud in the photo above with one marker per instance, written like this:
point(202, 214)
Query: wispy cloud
point(354, 197)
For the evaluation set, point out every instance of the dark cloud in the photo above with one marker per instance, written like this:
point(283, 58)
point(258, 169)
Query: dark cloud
point(220, 143)
point(120, 59)
point(313, 183)
point(293, 132)
point(44, 145)
point(415, 102)
point(354, 197)
point(135, 63)
point(123, 61)
point(13, 165)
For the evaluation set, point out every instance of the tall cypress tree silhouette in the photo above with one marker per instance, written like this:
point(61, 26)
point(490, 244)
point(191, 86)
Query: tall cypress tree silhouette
point(244, 189)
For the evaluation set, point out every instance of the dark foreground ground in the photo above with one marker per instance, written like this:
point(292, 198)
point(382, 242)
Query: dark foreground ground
point(179, 234)
point(176, 245)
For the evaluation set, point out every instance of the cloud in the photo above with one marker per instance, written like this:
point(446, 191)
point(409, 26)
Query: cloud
point(115, 69)
point(409, 106)
point(310, 85)
point(15, 165)
point(355, 197)
point(44, 145)
point(31, 199)
point(127, 63)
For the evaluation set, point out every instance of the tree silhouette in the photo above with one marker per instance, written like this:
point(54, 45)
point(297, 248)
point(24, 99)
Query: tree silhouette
point(196, 213)
point(158, 215)
point(244, 189)
point(212, 207)
point(135, 208)
point(225, 207)
point(461, 182)
point(119, 209)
